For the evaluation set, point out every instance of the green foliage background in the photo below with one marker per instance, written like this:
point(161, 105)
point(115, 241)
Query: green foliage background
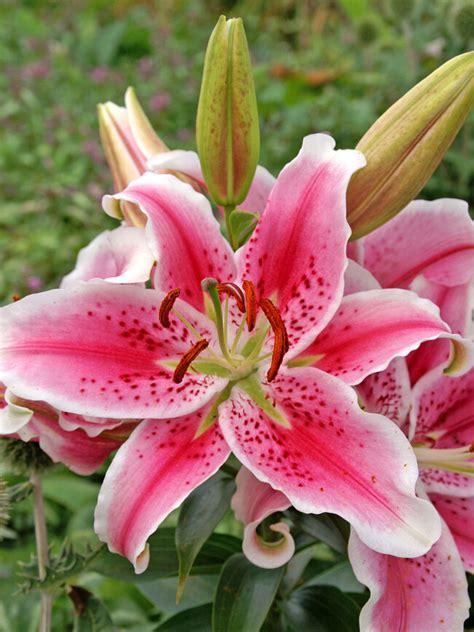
point(319, 66)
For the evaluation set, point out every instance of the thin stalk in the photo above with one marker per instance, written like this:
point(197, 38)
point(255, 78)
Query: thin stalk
point(41, 550)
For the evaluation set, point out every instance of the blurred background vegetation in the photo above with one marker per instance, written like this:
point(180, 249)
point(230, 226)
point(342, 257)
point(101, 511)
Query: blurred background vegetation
point(320, 65)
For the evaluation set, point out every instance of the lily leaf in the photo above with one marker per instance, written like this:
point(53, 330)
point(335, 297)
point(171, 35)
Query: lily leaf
point(321, 609)
point(244, 595)
point(198, 618)
point(200, 513)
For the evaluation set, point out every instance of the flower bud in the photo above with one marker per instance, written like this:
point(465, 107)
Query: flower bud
point(227, 131)
point(129, 141)
point(406, 144)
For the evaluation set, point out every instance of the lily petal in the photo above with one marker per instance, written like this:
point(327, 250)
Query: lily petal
point(455, 303)
point(358, 279)
point(13, 414)
point(334, 457)
point(371, 328)
point(117, 256)
point(459, 516)
point(183, 235)
point(442, 403)
point(423, 593)
point(187, 162)
point(96, 349)
point(434, 238)
point(154, 471)
point(388, 392)
point(79, 452)
point(92, 426)
point(297, 254)
point(252, 503)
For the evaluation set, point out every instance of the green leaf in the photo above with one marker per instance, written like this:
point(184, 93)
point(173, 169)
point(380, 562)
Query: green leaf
point(71, 492)
point(321, 609)
point(91, 614)
point(242, 225)
point(200, 513)
point(164, 559)
point(244, 595)
point(193, 619)
point(354, 8)
point(324, 527)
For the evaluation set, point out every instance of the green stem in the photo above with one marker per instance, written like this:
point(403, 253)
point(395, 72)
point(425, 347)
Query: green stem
point(42, 551)
point(227, 212)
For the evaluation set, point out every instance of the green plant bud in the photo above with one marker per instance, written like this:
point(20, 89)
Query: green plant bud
point(464, 22)
point(406, 144)
point(21, 457)
point(227, 131)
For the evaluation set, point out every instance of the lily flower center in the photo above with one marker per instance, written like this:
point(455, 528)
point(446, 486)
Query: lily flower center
point(237, 359)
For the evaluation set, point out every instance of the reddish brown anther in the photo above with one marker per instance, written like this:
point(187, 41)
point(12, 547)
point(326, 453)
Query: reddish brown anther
point(233, 290)
point(187, 359)
point(281, 343)
point(166, 307)
point(251, 303)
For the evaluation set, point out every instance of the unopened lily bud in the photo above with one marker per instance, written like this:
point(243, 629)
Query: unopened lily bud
point(227, 132)
point(129, 141)
point(406, 144)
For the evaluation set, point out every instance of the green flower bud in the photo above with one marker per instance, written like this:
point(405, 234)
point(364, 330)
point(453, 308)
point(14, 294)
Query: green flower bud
point(227, 132)
point(406, 144)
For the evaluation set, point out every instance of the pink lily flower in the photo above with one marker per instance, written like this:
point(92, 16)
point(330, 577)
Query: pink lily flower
point(428, 592)
point(210, 376)
point(81, 443)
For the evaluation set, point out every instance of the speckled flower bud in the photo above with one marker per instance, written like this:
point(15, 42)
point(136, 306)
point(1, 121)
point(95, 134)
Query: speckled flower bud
point(227, 131)
point(406, 144)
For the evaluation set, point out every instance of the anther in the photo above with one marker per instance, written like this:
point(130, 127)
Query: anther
point(187, 359)
point(281, 343)
point(251, 303)
point(166, 307)
point(233, 290)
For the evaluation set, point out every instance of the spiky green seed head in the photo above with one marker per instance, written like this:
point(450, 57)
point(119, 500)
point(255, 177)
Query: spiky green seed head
point(21, 457)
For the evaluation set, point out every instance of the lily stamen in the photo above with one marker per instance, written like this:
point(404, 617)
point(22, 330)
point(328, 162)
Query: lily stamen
point(187, 359)
point(234, 291)
point(251, 303)
point(166, 307)
point(281, 343)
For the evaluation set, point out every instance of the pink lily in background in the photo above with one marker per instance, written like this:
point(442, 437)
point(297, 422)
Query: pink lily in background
point(429, 592)
point(221, 370)
point(81, 443)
